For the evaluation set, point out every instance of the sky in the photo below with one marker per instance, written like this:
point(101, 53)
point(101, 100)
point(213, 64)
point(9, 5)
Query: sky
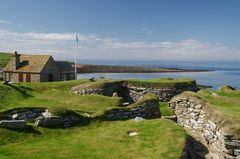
point(177, 30)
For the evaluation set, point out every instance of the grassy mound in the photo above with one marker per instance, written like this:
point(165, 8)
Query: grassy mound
point(99, 84)
point(156, 139)
point(223, 107)
point(146, 98)
point(156, 83)
point(226, 88)
point(164, 82)
point(53, 95)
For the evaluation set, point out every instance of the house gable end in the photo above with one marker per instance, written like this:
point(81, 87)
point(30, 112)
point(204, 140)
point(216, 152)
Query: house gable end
point(50, 67)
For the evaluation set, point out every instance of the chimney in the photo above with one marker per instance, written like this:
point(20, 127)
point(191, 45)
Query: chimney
point(17, 59)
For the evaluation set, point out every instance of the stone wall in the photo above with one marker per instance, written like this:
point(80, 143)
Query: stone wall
point(163, 93)
point(22, 114)
point(13, 76)
point(147, 110)
point(133, 93)
point(108, 89)
point(57, 121)
point(13, 124)
point(190, 113)
point(50, 68)
point(41, 116)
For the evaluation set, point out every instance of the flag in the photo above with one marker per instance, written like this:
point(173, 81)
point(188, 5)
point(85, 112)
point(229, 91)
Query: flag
point(76, 39)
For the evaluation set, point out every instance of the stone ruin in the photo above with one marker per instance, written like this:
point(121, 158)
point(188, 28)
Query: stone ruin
point(191, 114)
point(18, 118)
point(148, 110)
point(131, 93)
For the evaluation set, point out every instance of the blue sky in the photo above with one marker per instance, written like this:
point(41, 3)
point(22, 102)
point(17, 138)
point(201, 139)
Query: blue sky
point(123, 29)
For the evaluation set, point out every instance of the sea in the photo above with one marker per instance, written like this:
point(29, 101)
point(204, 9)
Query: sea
point(221, 72)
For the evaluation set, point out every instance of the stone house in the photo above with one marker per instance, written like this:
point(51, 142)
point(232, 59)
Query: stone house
point(37, 68)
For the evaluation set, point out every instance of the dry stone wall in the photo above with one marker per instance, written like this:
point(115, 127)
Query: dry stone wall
point(133, 93)
point(109, 89)
point(163, 93)
point(13, 124)
point(57, 121)
point(190, 113)
point(18, 118)
point(22, 114)
point(147, 110)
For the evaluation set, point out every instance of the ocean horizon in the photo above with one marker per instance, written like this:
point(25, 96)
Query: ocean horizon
point(222, 73)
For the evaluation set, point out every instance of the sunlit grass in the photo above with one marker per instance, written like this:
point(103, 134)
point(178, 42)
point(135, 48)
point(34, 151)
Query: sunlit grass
point(156, 139)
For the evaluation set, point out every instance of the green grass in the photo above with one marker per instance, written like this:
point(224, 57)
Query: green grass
point(165, 109)
point(58, 94)
point(159, 138)
point(50, 95)
point(4, 58)
point(226, 88)
point(157, 83)
point(146, 98)
point(163, 82)
point(100, 84)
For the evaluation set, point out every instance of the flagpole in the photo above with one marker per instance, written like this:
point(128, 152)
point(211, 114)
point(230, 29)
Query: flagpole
point(76, 58)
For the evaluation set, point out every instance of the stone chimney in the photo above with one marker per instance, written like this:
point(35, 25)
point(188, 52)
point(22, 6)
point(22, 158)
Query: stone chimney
point(17, 59)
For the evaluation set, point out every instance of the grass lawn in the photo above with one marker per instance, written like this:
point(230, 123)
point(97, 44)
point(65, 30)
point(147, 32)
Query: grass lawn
point(165, 109)
point(4, 58)
point(159, 138)
point(55, 94)
point(163, 82)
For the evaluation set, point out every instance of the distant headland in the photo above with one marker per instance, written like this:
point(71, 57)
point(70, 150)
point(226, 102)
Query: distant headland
point(93, 68)
point(90, 68)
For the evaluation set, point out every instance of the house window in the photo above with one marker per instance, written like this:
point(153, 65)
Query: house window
point(20, 77)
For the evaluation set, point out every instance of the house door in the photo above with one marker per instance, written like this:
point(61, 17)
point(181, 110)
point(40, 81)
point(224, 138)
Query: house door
point(50, 77)
point(28, 77)
point(20, 77)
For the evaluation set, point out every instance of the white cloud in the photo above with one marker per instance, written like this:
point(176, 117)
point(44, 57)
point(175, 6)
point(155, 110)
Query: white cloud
point(5, 22)
point(92, 46)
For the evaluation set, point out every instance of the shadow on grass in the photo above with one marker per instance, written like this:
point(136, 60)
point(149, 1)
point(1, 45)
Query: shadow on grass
point(28, 129)
point(21, 89)
point(194, 149)
point(26, 88)
point(84, 121)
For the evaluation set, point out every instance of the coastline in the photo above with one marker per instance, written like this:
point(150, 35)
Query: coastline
point(90, 68)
